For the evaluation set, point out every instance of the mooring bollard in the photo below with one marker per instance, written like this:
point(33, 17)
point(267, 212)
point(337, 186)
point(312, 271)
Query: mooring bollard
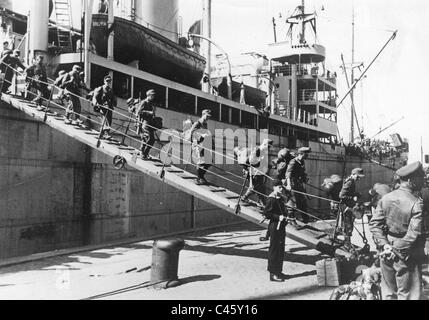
point(165, 261)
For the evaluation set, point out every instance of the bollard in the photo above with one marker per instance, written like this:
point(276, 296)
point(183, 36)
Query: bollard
point(165, 262)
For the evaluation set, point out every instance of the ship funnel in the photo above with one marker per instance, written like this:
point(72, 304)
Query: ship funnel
point(38, 26)
point(160, 16)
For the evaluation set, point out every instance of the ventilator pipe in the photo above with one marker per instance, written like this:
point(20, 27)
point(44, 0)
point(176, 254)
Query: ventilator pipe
point(229, 77)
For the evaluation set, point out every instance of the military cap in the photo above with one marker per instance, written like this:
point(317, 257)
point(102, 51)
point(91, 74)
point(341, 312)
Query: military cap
point(16, 51)
point(62, 72)
point(304, 150)
point(412, 170)
point(108, 77)
point(207, 112)
point(76, 67)
point(283, 153)
point(358, 171)
point(268, 142)
point(277, 182)
point(150, 92)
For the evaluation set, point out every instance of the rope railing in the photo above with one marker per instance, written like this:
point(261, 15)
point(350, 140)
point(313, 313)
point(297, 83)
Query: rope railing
point(185, 161)
point(164, 131)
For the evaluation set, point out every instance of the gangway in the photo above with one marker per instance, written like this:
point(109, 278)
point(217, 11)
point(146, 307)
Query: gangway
point(185, 181)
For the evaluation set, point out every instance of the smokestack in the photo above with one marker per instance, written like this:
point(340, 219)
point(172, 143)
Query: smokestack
point(38, 24)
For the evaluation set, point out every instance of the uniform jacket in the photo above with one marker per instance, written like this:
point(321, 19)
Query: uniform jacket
point(193, 135)
point(144, 111)
point(103, 97)
point(38, 71)
point(282, 164)
point(274, 208)
point(72, 82)
point(398, 220)
point(13, 62)
point(296, 172)
point(348, 192)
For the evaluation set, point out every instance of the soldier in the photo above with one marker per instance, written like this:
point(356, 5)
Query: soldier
point(349, 197)
point(258, 170)
point(333, 186)
point(276, 213)
point(295, 179)
point(11, 62)
point(72, 83)
point(197, 138)
point(58, 84)
point(399, 233)
point(145, 113)
point(105, 101)
point(281, 163)
point(37, 80)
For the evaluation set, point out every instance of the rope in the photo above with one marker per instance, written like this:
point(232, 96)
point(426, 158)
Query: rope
point(188, 162)
point(163, 131)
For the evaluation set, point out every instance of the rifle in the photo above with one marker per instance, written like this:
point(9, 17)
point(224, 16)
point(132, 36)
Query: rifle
point(238, 207)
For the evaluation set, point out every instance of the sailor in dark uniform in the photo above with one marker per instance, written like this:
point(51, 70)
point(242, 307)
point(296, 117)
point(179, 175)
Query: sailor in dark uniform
point(276, 213)
point(295, 179)
point(400, 232)
point(349, 198)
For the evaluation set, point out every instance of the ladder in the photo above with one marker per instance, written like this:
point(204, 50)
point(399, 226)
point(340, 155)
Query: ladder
point(222, 198)
point(64, 24)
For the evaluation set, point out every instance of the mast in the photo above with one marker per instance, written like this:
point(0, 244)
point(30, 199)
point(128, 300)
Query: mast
point(207, 32)
point(352, 127)
point(302, 37)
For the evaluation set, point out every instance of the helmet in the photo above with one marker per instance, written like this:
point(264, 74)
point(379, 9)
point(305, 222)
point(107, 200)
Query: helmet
point(283, 153)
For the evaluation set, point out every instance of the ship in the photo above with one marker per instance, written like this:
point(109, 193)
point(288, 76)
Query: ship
point(63, 188)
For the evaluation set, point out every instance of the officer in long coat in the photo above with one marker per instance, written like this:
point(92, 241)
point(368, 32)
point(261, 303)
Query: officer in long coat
point(399, 228)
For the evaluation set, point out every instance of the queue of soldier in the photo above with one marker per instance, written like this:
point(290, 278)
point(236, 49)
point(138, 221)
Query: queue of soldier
point(399, 222)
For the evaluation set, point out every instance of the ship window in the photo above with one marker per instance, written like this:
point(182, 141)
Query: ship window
point(235, 119)
point(210, 105)
point(142, 86)
point(19, 27)
point(248, 120)
point(122, 85)
point(275, 128)
point(97, 75)
point(181, 102)
point(263, 122)
point(225, 114)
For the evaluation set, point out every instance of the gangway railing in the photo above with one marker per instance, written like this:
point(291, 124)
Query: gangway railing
point(176, 177)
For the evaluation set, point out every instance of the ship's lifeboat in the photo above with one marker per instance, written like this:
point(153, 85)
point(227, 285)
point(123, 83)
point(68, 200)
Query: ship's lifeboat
point(155, 53)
